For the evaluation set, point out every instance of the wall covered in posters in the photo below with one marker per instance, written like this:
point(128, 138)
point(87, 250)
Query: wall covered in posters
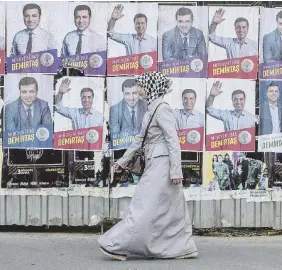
point(211, 54)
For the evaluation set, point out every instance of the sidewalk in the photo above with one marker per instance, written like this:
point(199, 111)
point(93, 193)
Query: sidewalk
point(50, 251)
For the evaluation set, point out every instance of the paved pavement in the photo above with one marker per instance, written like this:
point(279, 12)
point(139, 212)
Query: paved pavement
point(28, 251)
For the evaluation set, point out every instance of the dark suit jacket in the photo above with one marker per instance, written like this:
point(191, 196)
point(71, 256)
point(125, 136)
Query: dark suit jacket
point(266, 119)
point(120, 119)
point(172, 44)
point(16, 116)
point(271, 46)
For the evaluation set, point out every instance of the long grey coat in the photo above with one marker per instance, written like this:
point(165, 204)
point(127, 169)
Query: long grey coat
point(157, 223)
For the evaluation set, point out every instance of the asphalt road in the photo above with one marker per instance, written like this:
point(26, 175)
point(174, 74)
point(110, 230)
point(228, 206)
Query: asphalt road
point(28, 251)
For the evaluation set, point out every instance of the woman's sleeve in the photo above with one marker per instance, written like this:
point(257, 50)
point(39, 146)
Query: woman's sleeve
point(134, 146)
point(166, 122)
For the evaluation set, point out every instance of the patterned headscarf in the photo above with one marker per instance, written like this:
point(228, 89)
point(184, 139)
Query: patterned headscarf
point(155, 84)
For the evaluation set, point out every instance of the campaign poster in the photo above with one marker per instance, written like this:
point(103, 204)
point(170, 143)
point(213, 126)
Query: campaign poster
point(132, 38)
point(28, 112)
point(86, 168)
point(182, 41)
point(233, 42)
point(270, 58)
point(274, 167)
point(34, 168)
point(188, 103)
point(79, 113)
point(2, 38)
point(227, 170)
point(230, 119)
point(270, 114)
point(84, 44)
point(34, 30)
point(191, 164)
point(1, 110)
point(127, 110)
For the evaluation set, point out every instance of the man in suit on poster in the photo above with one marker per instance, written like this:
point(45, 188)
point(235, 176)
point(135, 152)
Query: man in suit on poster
point(83, 39)
point(183, 40)
point(127, 115)
point(272, 42)
point(33, 38)
point(270, 111)
point(28, 111)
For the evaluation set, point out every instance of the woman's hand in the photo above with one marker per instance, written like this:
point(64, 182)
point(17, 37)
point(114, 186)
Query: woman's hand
point(176, 181)
point(117, 168)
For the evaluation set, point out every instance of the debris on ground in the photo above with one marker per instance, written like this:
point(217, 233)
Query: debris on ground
point(236, 232)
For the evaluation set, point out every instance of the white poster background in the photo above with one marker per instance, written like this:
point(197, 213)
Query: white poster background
point(2, 20)
point(167, 21)
point(45, 87)
point(227, 29)
point(174, 98)
point(267, 25)
point(53, 20)
point(72, 98)
point(98, 21)
point(125, 25)
point(224, 101)
point(114, 89)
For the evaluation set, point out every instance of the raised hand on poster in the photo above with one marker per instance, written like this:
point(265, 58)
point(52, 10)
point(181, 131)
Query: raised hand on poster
point(218, 16)
point(117, 12)
point(216, 89)
point(64, 87)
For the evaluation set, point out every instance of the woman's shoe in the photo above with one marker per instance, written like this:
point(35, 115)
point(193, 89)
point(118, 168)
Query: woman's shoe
point(113, 255)
point(192, 255)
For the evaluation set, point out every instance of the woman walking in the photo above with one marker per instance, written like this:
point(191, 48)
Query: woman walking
point(157, 224)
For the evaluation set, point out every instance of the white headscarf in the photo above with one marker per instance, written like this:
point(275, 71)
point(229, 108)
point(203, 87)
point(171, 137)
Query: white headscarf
point(155, 84)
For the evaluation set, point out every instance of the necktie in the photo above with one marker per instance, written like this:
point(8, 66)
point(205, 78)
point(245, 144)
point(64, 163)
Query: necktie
point(79, 43)
point(29, 117)
point(133, 119)
point(185, 47)
point(29, 43)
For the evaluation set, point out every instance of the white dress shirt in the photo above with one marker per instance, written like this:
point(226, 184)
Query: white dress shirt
point(234, 48)
point(275, 118)
point(91, 42)
point(132, 43)
point(41, 41)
